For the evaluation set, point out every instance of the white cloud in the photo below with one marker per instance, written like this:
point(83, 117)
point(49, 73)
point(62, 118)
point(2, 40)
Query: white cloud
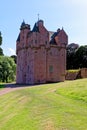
point(11, 51)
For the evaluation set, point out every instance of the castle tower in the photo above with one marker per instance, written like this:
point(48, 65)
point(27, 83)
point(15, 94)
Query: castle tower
point(36, 59)
point(58, 43)
point(21, 53)
point(40, 59)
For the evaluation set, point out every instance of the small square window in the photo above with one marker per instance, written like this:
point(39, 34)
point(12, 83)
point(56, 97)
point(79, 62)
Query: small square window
point(50, 68)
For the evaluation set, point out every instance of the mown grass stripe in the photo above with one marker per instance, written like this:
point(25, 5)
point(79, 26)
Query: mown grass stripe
point(45, 107)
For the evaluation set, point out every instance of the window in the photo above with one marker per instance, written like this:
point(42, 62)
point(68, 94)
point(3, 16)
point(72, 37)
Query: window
point(25, 75)
point(35, 41)
point(35, 51)
point(50, 68)
point(51, 53)
point(46, 42)
point(28, 68)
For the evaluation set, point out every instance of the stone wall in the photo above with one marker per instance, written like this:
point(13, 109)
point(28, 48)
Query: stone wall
point(72, 75)
point(82, 73)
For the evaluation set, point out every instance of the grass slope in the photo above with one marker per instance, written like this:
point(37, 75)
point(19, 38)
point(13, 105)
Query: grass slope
point(59, 106)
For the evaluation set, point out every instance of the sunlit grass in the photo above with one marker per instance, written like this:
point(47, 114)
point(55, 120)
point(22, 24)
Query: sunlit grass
point(58, 106)
point(76, 90)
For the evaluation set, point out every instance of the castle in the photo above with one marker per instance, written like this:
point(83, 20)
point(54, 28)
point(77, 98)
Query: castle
point(41, 54)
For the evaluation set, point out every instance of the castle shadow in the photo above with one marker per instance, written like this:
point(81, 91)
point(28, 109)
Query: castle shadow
point(14, 85)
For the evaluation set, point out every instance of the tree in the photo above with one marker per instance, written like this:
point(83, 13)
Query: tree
point(0, 39)
point(15, 58)
point(7, 69)
point(81, 57)
point(1, 50)
point(71, 55)
point(76, 57)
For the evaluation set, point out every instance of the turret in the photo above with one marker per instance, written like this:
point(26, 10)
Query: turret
point(24, 26)
point(24, 30)
point(22, 37)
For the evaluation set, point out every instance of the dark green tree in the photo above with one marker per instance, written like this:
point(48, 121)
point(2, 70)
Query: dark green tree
point(15, 58)
point(1, 50)
point(77, 57)
point(7, 69)
point(71, 55)
point(0, 39)
point(81, 57)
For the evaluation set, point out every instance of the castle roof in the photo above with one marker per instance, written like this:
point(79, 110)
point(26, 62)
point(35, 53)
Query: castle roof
point(54, 35)
point(52, 41)
point(24, 25)
point(35, 28)
point(18, 39)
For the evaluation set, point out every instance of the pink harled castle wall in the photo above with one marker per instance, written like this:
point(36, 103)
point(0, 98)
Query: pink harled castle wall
point(40, 59)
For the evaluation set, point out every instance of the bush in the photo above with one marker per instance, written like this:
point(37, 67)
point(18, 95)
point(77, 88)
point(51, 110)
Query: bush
point(73, 71)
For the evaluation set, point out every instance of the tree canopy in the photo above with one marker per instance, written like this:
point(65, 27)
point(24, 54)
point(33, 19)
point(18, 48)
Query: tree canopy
point(0, 39)
point(76, 57)
point(7, 69)
point(15, 58)
point(1, 50)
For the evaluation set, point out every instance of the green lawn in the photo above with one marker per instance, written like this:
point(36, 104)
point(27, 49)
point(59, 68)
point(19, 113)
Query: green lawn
point(58, 106)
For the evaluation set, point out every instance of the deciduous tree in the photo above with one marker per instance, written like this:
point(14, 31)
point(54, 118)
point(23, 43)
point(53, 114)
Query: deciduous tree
point(7, 69)
point(1, 50)
point(0, 39)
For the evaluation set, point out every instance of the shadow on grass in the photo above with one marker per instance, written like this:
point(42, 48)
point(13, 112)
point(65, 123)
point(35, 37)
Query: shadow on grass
point(14, 85)
point(2, 86)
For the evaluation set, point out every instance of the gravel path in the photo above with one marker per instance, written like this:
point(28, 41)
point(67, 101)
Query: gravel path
point(10, 88)
point(7, 90)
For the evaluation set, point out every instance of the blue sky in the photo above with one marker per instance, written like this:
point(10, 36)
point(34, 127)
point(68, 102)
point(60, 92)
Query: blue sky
point(69, 14)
